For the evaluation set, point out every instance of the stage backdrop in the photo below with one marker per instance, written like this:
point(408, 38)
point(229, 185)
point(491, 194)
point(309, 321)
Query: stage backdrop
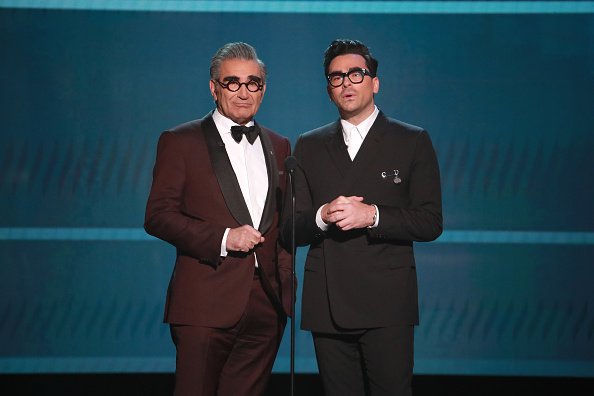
point(505, 89)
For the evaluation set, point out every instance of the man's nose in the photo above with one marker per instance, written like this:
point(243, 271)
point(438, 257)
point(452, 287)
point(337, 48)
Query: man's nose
point(243, 92)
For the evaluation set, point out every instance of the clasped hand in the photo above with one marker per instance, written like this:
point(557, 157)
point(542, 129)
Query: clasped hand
point(348, 213)
point(243, 239)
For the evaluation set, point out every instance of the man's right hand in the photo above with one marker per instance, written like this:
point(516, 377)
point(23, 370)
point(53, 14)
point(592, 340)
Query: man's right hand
point(243, 239)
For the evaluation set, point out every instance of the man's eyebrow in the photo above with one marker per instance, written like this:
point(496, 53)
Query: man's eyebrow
point(350, 70)
point(250, 78)
point(255, 78)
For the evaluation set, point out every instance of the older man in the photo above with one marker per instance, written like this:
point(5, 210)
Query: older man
point(218, 184)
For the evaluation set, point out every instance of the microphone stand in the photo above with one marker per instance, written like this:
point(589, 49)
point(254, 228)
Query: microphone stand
point(292, 370)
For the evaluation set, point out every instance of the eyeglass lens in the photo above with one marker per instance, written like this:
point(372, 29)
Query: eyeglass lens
point(355, 76)
point(234, 85)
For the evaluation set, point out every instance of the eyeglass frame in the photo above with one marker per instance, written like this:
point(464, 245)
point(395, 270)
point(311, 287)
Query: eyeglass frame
point(364, 71)
point(260, 85)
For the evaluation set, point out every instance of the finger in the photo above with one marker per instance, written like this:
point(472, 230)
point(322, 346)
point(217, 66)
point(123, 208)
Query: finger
point(250, 230)
point(337, 200)
point(343, 225)
point(337, 207)
point(328, 214)
point(356, 198)
point(339, 217)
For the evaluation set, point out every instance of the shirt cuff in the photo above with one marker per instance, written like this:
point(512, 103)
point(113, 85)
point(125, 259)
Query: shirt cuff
point(376, 217)
point(321, 225)
point(224, 243)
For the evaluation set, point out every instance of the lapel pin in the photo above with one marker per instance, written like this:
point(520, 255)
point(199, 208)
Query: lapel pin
point(393, 174)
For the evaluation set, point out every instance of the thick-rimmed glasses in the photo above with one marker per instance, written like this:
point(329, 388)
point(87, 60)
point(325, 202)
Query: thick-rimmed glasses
point(355, 76)
point(234, 85)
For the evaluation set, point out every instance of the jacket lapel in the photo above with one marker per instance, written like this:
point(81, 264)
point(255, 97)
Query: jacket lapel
point(272, 168)
point(338, 150)
point(224, 173)
point(368, 152)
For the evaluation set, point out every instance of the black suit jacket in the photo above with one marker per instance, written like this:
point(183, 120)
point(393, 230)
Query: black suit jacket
point(365, 278)
point(194, 197)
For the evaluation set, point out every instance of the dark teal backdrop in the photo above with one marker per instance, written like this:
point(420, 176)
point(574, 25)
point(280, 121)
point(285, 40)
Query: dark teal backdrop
point(506, 94)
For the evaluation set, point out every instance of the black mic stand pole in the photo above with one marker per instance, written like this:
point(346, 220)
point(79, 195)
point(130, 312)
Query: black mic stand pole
point(292, 371)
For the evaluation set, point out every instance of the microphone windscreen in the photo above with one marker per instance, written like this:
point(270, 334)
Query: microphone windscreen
point(290, 163)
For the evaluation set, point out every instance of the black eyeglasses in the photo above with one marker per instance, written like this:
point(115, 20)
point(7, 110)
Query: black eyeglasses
point(234, 85)
point(355, 76)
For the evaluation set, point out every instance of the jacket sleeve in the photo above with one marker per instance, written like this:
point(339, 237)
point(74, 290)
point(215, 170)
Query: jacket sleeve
point(422, 219)
point(165, 217)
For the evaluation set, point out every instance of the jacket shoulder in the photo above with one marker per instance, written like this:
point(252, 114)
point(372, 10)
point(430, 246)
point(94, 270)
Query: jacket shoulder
point(187, 127)
point(322, 132)
point(188, 131)
point(275, 137)
point(403, 127)
point(404, 132)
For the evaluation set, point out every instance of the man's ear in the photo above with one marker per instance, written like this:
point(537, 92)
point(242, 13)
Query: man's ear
point(213, 91)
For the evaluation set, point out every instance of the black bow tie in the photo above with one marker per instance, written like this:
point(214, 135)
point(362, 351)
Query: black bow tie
point(251, 133)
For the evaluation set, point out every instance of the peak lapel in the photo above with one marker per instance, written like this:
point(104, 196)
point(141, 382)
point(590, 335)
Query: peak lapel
point(337, 150)
point(368, 152)
point(272, 168)
point(224, 173)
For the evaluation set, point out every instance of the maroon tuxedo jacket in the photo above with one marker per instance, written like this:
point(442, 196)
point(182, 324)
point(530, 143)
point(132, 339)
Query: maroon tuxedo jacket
point(194, 197)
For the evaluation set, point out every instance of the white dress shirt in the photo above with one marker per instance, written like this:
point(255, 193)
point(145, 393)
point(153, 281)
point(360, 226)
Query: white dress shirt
point(249, 165)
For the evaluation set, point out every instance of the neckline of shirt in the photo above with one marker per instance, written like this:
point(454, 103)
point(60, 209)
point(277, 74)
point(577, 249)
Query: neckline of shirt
point(224, 124)
point(363, 127)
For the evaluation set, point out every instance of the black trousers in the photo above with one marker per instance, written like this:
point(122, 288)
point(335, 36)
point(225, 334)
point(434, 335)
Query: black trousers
point(376, 362)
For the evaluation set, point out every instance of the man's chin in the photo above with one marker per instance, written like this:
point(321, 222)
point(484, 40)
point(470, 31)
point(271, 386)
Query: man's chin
point(348, 107)
point(348, 110)
point(242, 117)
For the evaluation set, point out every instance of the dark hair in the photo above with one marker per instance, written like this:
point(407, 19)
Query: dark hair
point(237, 50)
point(344, 46)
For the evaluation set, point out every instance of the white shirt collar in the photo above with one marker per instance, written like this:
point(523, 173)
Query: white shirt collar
point(363, 127)
point(224, 124)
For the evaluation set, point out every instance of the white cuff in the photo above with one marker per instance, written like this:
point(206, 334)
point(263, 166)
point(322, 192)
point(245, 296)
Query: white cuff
point(376, 217)
point(321, 225)
point(224, 243)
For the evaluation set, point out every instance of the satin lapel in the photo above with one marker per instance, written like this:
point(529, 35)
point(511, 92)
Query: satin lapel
point(224, 173)
point(369, 151)
point(272, 168)
point(338, 150)
point(269, 209)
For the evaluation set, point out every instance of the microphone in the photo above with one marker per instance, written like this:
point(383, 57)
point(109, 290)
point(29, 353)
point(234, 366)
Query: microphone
point(291, 164)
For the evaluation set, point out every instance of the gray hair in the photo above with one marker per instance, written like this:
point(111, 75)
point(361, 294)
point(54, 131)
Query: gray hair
point(237, 50)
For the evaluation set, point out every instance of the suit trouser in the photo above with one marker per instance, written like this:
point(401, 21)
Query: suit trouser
point(229, 362)
point(376, 362)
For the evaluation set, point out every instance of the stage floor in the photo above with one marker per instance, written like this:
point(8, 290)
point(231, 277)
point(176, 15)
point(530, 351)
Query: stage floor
point(306, 385)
